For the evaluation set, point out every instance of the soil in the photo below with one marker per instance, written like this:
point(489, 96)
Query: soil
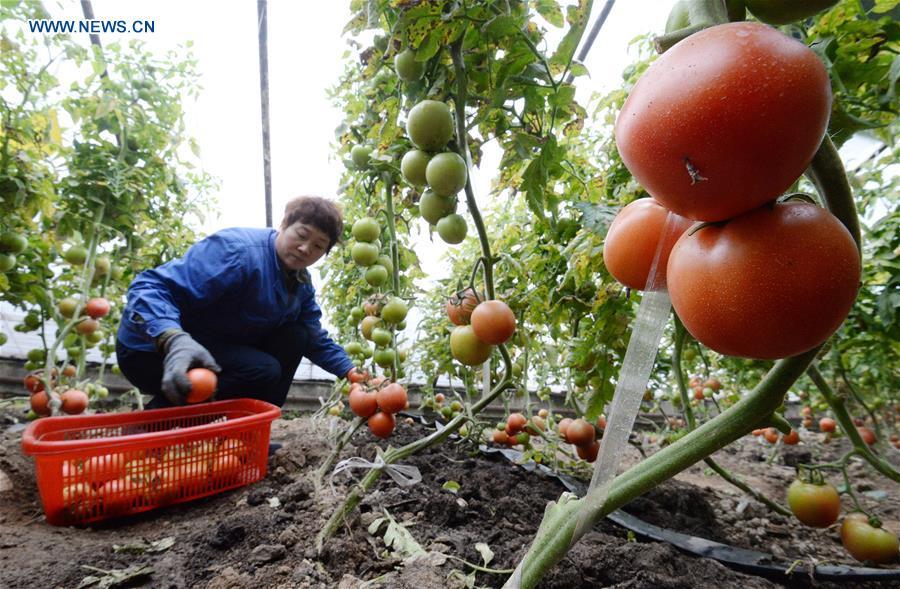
point(262, 535)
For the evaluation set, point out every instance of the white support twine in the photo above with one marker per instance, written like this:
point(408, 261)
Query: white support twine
point(639, 359)
point(404, 475)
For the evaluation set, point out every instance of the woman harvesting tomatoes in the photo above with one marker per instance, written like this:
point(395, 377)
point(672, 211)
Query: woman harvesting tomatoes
point(240, 303)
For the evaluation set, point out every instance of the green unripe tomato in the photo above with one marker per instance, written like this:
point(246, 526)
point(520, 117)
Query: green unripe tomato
point(434, 208)
point(446, 412)
point(360, 155)
point(7, 262)
point(102, 265)
point(357, 313)
point(430, 125)
point(452, 228)
point(679, 17)
point(376, 275)
point(32, 320)
point(384, 358)
point(366, 229)
point(382, 337)
point(3, 338)
point(413, 167)
point(782, 12)
point(446, 173)
point(466, 348)
point(76, 255)
point(353, 348)
point(37, 355)
point(406, 66)
point(364, 253)
point(394, 311)
point(385, 260)
point(12, 243)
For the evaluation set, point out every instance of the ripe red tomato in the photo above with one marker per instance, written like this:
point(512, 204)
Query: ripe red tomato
point(725, 120)
point(74, 401)
point(867, 543)
point(362, 403)
point(461, 305)
point(817, 506)
point(563, 428)
point(827, 424)
point(515, 423)
point(392, 398)
point(500, 437)
point(771, 435)
point(588, 452)
point(867, 435)
point(791, 439)
point(382, 424)
point(580, 433)
point(97, 307)
point(40, 403)
point(33, 383)
point(225, 466)
point(493, 322)
point(770, 284)
point(119, 494)
point(203, 384)
point(633, 238)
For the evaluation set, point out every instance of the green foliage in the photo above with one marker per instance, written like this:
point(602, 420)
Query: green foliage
point(560, 182)
point(96, 162)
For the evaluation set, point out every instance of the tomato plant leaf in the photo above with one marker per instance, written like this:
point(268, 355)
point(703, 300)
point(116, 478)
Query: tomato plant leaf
point(451, 486)
point(551, 12)
point(487, 555)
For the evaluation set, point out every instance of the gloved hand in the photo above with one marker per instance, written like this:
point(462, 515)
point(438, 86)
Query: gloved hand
point(182, 353)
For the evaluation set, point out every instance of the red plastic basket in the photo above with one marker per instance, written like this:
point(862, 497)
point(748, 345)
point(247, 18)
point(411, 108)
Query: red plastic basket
point(93, 467)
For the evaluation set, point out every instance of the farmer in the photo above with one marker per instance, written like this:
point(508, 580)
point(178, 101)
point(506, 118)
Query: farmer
point(241, 303)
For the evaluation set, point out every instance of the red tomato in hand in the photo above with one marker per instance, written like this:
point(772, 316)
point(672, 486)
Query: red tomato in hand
point(203, 384)
point(725, 121)
point(633, 239)
point(773, 283)
point(817, 506)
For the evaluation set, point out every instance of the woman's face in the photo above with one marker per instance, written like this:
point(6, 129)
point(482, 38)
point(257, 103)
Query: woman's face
point(300, 245)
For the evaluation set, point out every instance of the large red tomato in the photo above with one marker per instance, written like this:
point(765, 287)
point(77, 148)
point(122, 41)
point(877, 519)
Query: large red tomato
point(632, 241)
point(770, 284)
point(725, 120)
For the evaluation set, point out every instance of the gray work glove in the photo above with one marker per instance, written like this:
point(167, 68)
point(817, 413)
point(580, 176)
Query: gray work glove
point(182, 353)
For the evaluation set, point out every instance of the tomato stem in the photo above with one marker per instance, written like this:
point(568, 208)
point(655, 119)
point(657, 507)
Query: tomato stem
point(680, 334)
point(843, 417)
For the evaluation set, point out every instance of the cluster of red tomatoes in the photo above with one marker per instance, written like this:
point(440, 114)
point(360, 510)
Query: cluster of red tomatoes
point(117, 483)
point(518, 429)
point(379, 401)
point(480, 325)
point(582, 434)
point(718, 141)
